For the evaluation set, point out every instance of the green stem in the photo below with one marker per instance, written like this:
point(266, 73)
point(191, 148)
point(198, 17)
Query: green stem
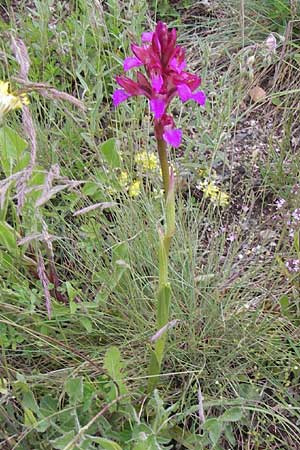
point(164, 164)
point(164, 290)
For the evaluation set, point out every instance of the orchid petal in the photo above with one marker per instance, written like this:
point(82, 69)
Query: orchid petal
point(157, 107)
point(184, 92)
point(176, 65)
point(119, 96)
point(130, 62)
point(157, 82)
point(173, 137)
point(130, 86)
point(199, 97)
point(147, 36)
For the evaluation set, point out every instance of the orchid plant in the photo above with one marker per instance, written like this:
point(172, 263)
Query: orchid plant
point(164, 78)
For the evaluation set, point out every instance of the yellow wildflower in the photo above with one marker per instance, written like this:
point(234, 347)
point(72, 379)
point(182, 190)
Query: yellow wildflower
point(123, 178)
point(223, 199)
point(216, 196)
point(210, 190)
point(204, 172)
point(9, 101)
point(135, 188)
point(147, 161)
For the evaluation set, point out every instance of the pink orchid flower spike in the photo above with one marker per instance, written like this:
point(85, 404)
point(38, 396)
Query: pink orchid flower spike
point(165, 78)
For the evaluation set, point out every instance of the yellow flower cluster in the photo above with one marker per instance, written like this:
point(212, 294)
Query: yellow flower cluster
point(146, 161)
point(133, 188)
point(9, 101)
point(216, 196)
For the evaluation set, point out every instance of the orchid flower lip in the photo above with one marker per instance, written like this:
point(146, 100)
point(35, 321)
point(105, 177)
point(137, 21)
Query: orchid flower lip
point(173, 137)
point(158, 107)
point(119, 96)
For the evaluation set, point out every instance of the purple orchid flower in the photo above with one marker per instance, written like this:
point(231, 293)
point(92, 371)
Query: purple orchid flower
point(164, 63)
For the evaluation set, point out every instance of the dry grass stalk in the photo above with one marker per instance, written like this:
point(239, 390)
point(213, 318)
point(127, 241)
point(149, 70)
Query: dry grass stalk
point(21, 55)
point(50, 92)
point(102, 206)
point(45, 282)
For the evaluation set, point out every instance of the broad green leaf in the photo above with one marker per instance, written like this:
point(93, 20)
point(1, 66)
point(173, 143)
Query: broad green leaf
point(232, 415)
point(29, 418)
point(229, 434)
point(113, 364)
point(106, 444)
point(74, 389)
point(11, 148)
point(214, 428)
point(249, 391)
point(62, 441)
point(90, 188)
point(110, 152)
point(48, 405)
point(29, 402)
point(8, 236)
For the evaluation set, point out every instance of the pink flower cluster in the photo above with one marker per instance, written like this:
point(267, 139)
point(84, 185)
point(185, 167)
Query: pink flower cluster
point(164, 64)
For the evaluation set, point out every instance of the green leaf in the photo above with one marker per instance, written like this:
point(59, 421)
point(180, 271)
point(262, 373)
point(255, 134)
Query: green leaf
point(87, 324)
point(119, 261)
point(163, 305)
point(113, 364)
point(29, 418)
point(276, 101)
point(62, 441)
point(107, 444)
point(214, 428)
point(284, 305)
point(74, 389)
point(110, 153)
point(154, 369)
point(90, 188)
point(29, 402)
point(229, 434)
point(8, 236)
point(149, 444)
point(71, 291)
point(232, 415)
point(11, 148)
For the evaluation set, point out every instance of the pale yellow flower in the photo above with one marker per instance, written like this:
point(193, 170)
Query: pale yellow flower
point(123, 178)
point(223, 199)
point(135, 188)
point(210, 190)
point(147, 161)
point(216, 196)
point(9, 101)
